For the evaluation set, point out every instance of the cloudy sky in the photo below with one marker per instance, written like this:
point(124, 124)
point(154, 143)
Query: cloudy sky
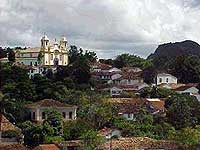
point(109, 27)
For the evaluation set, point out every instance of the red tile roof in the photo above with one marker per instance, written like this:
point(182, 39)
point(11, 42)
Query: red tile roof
point(12, 147)
point(140, 143)
point(185, 87)
point(5, 125)
point(133, 105)
point(48, 103)
point(47, 147)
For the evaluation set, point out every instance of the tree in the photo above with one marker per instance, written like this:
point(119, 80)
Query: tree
point(81, 71)
point(40, 56)
point(187, 69)
point(127, 60)
point(91, 140)
point(182, 110)
point(189, 136)
point(90, 56)
point(33, 133)
point(11, 56)
point(74, 129)
point(54, 120)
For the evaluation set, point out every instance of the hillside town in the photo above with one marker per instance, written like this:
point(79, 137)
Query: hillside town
point(57, 97)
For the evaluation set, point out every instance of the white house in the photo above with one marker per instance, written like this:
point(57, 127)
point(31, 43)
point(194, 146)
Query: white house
point(115, 91)
point(108, 133)
point(192, 90)
point(37, 110)
point(164, 78)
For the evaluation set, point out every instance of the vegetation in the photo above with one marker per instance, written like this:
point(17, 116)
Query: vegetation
point(72, 85)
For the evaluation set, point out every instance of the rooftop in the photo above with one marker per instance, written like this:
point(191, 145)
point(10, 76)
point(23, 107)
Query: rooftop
point(29, 50)
point(5, 124)
point(12, 147)
point(47, 147)
point(140, 143)
point(48, 103)
point(185, 87)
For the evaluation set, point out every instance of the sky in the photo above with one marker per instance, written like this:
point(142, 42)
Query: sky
point(108, 27)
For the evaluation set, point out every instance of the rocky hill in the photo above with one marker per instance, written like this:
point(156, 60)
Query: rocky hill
point(171, 50)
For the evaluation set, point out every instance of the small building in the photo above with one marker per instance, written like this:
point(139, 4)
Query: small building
point(109, 133)
point(130, 107)
point(115, 91)
point(37, 110)
point(188, 89)
point(164, 78)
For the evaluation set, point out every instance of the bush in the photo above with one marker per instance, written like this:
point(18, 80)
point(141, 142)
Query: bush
point(53, 139)
point(10, 134)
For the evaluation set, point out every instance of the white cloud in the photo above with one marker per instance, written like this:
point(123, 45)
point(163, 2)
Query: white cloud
point(110, 27)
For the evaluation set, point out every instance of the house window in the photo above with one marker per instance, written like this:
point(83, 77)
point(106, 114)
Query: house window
point(64, 114)
point(129, 115)
point(43, 115)
point(70, 115)
point(51, 56)
point(33, 115)
point(29, 115)
point(35, 63)
point(31, 63)
point(60, 57)
point(167, 80)
point(160, 80)
point(30, 54)
point(31, 71)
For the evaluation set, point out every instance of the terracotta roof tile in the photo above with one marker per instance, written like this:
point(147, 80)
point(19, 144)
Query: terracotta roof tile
point(140, 143)
point(48, 103)
point(185, 87)
point(47, 147)
point(5, 125)
point(12, 147)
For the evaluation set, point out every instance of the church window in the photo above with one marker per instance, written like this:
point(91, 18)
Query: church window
point(70, 115)
point(51, 56)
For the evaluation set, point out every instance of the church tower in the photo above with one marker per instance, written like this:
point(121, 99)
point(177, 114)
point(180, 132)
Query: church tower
point(64, 50)
point(44, 50)
point(54, 53)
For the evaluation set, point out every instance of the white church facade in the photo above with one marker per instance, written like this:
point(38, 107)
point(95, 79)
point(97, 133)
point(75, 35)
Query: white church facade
point(48, 55)
point(52, 54)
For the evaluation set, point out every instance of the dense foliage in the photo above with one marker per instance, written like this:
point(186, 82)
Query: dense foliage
point(72, 85)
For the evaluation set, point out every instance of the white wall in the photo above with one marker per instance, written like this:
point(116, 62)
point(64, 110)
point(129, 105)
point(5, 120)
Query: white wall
point(126, 116)
point(192, 91)
point(164, 79)
point(38, 112)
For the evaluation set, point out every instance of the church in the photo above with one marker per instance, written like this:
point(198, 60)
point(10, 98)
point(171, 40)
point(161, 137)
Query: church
point(48, 54)
point(39, 59)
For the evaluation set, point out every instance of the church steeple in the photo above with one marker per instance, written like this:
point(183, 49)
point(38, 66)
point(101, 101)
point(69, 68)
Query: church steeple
point(44, 42)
